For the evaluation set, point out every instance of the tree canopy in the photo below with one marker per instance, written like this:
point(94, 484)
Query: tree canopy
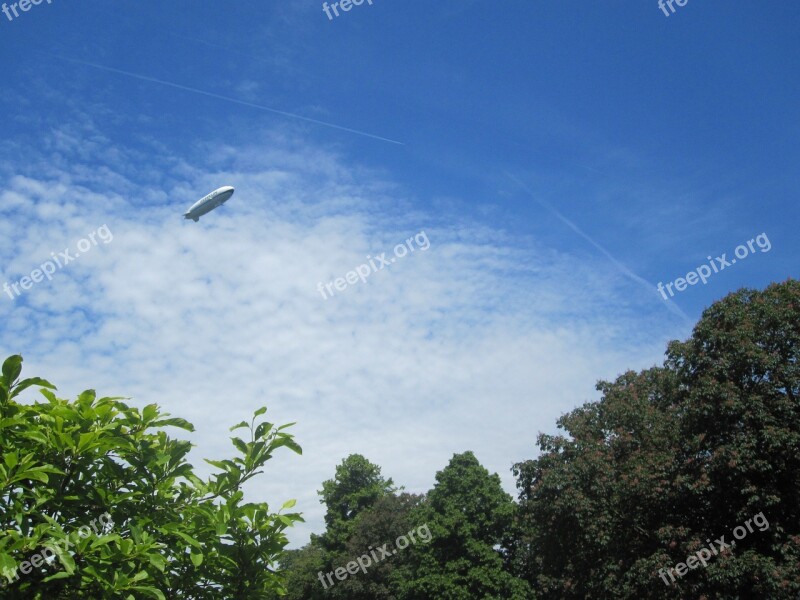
point(357, 485)
point(622, 504)
point(674, 456)
point(169, 534)
point(671, 460)
point(467, 516)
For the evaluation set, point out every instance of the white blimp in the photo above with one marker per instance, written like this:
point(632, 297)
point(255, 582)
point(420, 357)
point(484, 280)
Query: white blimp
point(208, 203)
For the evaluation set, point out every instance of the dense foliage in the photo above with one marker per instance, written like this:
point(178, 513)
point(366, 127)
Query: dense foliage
point(674, 456)
point(467, 515)
point(667, 460)
point(170, 534)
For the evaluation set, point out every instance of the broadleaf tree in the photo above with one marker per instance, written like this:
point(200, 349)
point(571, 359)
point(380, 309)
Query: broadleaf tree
point(674, 457)
point(168, 533)
point(469, 516)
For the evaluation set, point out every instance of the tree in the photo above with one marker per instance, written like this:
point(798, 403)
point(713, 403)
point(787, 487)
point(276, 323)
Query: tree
point(675, 456)
point(360, 503)
point(384, 522)
point(301, 568)
point(357, 485)
point(468, 515)
point(593, 503)
point(170, 534)
point(740, 416)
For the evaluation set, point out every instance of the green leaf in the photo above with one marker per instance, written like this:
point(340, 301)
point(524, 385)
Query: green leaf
point(260, 411)
point(66, 561)
point(157, 561)
point(173, 422)
point(188, 539)
point(149, 591)
point(49, 395)
point(289, 504)
point(12, 367)
point(262, 430)
point(150, 412)
point(26, 383)
point(86, 440)
point(87, 397)
point(289, 443)
point(7, 564)
point(217, 463)
point(11, 459)
point(35, 474)
point(196, 558)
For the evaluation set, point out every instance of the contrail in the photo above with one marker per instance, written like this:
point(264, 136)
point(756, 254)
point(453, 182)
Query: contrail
point(220, 97)
point(625, 270)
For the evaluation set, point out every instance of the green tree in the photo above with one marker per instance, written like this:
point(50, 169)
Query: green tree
point(673, 456)
point(384, 522)
point(360, 503)
point(301, 568)
point(468, 515)
point(172, 535)
point(591, 504)
point(740, 426)
point(356, 486)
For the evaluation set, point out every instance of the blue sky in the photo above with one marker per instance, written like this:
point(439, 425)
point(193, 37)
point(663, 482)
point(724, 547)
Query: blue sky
point(562, 160)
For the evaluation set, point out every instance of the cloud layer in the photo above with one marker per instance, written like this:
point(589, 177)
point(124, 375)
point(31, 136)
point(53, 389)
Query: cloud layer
point(477, 343)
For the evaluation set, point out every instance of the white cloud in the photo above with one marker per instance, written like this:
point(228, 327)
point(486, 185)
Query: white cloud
point(478, 343)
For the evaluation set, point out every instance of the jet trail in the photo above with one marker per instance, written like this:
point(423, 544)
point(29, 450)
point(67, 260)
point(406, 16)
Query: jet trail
point(625, 270)
point(220, 97)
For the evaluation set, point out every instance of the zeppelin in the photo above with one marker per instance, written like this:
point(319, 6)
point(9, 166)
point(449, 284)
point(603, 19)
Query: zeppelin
point(208, 203)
